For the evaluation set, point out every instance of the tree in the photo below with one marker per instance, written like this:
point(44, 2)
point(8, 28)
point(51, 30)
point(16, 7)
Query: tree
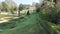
point(20, 9)
point(50, 13)
point(55, 1)
point(15, 9)
point(4, 6)
point(37, 7)
point(12, 9)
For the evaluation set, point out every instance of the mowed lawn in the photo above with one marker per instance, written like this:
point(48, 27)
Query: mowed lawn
point(27, 25)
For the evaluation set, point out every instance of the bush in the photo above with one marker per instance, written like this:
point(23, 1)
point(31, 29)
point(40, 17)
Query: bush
point(51, 15)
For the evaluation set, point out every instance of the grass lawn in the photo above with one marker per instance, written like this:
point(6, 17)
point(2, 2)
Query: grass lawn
point(25, 11)
point(27, 25)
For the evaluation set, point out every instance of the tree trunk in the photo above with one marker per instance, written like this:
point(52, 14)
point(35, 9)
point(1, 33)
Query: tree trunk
point(19, 13)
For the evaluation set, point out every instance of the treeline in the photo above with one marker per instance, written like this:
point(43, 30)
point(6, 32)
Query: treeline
point(4, 7)
point(50, 11)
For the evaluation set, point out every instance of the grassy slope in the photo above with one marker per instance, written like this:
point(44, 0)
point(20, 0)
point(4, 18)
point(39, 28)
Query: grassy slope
point(29, 26)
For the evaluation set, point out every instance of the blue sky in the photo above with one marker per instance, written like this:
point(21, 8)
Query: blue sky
point(23, 1)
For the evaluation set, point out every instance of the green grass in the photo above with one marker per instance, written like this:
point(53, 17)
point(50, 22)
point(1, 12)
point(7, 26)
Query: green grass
point(32, 24)
point(26, 27)
point(25, 11)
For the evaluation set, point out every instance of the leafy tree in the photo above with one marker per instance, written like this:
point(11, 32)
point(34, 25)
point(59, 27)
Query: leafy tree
point(55, 1)
point(4, 6)
point(20, 9)
point(37, 7)
point(51, 14)
point(12, 9)
point(15, 9)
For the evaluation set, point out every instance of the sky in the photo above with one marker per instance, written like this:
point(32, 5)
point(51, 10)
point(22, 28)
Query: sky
point(24, 1)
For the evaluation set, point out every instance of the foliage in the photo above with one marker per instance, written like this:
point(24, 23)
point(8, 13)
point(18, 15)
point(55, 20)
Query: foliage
point(12, 10)
point(50, 13)
point(21, 7)
point(37, 7)
point(4, 6)
point(15, 9)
